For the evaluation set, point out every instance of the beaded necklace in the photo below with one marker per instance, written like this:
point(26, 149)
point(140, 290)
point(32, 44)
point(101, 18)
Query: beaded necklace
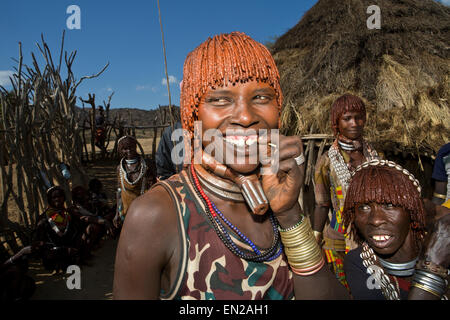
point(370, 261)
point(215, 216)
point(341, 168)
point(52, 217)
point(123, 175)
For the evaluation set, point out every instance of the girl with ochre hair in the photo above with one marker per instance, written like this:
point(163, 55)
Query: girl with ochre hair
point(385, 215)
point(332, 175)
point(220, 229)
point(134, 176)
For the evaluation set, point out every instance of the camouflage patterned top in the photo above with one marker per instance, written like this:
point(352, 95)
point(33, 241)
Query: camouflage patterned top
point(208, 270)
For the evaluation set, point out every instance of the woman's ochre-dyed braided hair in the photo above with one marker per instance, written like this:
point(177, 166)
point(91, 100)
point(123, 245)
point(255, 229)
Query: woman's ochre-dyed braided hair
point(220, 61)
point(385, 183)
point(343, 104)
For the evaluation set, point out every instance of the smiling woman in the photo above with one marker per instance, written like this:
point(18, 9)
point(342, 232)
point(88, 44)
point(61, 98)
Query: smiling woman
point(193, 236)
point(332, 175)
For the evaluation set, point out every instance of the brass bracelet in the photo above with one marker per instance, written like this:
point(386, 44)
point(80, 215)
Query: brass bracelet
point(317, 235)
point(439, 195)
point(425, 288)
point(302, 217)
point(299, 242)
point(309, 271)
point(295, 236)
point(301, 247)
point(300, 231)
point(293, 252)
point(305, 265)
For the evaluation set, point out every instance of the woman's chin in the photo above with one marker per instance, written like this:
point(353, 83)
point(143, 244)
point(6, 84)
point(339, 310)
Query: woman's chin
point(243, 168)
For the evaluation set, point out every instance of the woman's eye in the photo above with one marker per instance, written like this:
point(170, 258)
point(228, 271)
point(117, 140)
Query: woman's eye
point(389, 205)
point(262, 98)
point(217, 100)
point(364, 207)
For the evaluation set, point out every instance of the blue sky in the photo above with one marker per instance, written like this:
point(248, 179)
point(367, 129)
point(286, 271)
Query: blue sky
point(127, 35)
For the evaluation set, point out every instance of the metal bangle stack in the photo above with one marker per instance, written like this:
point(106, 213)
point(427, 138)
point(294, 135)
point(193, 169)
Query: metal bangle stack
point(430, 282)
point(303, 253)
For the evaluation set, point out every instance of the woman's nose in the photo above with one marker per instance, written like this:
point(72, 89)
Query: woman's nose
point(377, 216)
point(243, 114)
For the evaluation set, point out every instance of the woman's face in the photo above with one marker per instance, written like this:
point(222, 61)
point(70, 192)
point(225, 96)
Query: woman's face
point(386, 228)
point(57, 199)
point(128, 149)
point(351, 125)
point(238, 112)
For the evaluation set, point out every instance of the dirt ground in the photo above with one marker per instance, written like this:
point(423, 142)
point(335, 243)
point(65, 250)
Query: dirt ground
point(96, 279)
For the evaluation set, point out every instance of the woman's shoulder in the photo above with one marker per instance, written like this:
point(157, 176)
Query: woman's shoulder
point(353, 263)
point(353, 256)
point(152, 210)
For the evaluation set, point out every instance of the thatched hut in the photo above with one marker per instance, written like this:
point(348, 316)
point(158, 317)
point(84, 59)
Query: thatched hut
point(402, 70)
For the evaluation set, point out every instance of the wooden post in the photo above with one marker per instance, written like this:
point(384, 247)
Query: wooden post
point(155, 135)
point(38, 134)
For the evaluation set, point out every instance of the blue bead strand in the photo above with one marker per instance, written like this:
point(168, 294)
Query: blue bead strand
point(233, 227)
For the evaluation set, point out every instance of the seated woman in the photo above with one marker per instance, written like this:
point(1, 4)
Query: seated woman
point(385, 214)
point(93, 225)
point(59, 232)
point(99, 201)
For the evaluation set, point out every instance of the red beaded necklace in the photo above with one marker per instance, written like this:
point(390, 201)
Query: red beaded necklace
point(267, 255)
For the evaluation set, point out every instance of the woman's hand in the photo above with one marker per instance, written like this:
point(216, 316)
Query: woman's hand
point(282, 187)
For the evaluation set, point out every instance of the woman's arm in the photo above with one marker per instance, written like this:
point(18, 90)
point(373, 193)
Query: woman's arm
point(320, 285)
point(149, 237)
point(321, 194)
point(431, 272)
point(282, 188)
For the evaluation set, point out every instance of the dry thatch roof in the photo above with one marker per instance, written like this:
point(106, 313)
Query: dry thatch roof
point(402, 70)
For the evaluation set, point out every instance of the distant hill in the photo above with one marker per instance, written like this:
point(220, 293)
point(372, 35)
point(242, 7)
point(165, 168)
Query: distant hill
point(137, 117)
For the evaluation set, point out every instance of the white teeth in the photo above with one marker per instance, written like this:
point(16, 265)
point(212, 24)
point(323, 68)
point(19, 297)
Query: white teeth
point(241, 141)
point(236, 141)
point(251, 140)
point(381, 238)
